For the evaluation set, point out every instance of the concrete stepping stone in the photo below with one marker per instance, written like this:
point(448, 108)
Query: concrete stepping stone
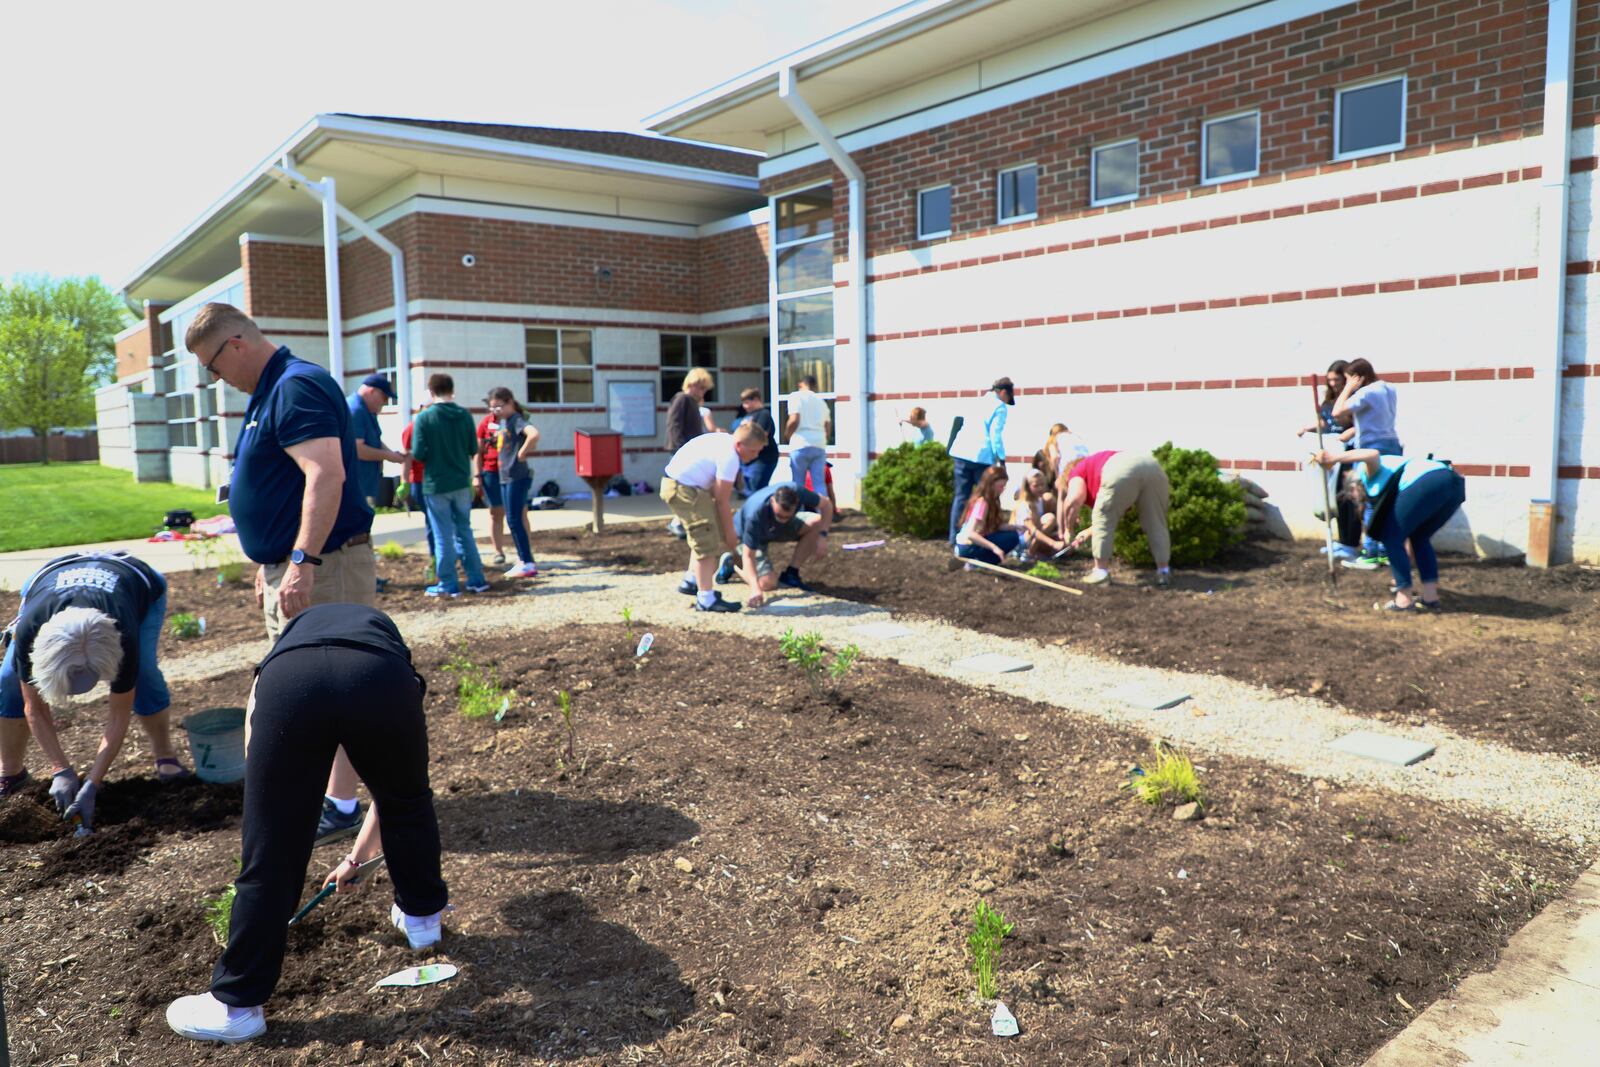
point(781, 607)
point(1146, 697)
point(992, 663)
point(885, 631)
point(1400, 751)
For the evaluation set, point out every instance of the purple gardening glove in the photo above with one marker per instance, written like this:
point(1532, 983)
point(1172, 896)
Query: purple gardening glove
point(83, 808)
point(64, 788)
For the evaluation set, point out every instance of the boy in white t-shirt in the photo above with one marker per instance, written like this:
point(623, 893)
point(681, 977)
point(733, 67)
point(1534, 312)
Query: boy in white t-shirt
point(698, 487)
point(808, 425)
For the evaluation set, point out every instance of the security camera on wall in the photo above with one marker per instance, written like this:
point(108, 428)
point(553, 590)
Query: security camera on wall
point(469, 260)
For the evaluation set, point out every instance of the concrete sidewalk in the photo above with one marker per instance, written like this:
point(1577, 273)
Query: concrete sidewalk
point(1539, 1006)
point(15, 567)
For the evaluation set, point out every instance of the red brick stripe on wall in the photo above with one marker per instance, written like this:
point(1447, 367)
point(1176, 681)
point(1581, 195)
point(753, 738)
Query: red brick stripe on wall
point(1402, 285)
point(517, 320)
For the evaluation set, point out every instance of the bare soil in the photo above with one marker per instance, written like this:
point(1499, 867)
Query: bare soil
point(762, 872)
point(1512, 659)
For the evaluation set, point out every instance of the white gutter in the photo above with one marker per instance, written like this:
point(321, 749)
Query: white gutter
point(397, 269)
point(1551, 302)
point(789, 93)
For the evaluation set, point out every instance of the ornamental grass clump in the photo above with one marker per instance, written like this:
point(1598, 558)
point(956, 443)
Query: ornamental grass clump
point(989, 929)
point(478, 688)
point(219, 914)
point(391, 551)
point(1170, 779)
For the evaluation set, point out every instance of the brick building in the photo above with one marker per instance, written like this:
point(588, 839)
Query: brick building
point(1159, 217)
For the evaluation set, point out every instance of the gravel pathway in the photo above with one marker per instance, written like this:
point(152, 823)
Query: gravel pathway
point(1551, 795)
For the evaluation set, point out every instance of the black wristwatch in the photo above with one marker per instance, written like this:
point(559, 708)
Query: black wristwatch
point(300, 555)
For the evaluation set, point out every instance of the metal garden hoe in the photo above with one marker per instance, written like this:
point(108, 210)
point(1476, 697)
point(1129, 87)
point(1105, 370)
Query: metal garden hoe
point(326, 891)
point(1327, 498)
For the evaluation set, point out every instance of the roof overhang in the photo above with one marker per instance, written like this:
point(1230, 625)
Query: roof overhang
point(906, 45)
point(365, 157)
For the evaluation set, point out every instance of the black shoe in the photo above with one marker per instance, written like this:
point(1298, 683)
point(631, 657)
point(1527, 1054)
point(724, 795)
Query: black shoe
point(718, 604)
point(335, 825)
point(688, 588)
point(725, 569)
point(790, 578)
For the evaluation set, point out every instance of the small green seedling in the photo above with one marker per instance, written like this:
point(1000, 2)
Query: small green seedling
point(1170, 779)
point(1046, 570)
point(806, 652)
point(989, 929)
point(627, 621)
point(479, 688)
point(230, 572)
point(391, 551)
point(843, 660)
point(185, 625)
point(564, 699)
point(219, 914)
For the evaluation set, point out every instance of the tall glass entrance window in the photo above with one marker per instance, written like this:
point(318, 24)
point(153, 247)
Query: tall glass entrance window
point(801, 329)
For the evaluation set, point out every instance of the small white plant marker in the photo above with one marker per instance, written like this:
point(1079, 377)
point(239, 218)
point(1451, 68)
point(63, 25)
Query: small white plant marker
point(1002, 1022)
point(645, 644)
point(427, 974)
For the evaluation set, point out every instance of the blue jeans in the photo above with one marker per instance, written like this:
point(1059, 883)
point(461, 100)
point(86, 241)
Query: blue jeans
point(420, 499)
point(967, 475)
point(1370, 546)
point(450, 514)
point(813, 461)
point(493, 491)
point(758, 474)
point(1420, 510)
point(150, 694)
point(515, 494)
point(1005, 539)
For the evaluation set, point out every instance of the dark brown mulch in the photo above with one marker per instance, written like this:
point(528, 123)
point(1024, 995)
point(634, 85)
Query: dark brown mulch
point(1512, 660)
point(837, 842)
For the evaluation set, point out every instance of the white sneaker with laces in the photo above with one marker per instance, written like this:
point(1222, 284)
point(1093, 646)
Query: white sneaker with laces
point(1096, 577)
point(203, 1017)
point(421, 931)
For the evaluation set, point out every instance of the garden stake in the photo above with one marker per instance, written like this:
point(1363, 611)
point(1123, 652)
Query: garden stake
point(1327, 501)
point(328, 889)
point(1025, 577)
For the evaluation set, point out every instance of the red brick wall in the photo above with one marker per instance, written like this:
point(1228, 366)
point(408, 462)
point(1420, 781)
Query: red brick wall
point(365, 280)
point(732, 269)
point(133, 352)
point(283, 281)
point(1586, 72)
point(1475, 70)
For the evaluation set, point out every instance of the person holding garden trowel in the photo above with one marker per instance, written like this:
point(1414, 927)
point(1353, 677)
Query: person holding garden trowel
point(85, 618)
point(339, 676)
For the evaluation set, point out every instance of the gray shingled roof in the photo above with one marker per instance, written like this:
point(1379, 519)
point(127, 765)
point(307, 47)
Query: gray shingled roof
point(604, 142)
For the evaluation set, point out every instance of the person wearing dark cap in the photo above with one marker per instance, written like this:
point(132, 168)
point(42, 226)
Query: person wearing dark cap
point(371, 452)
point(978, 443)
point(85, 618)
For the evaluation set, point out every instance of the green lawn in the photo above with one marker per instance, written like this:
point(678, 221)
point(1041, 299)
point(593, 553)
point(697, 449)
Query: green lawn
point(42, 505)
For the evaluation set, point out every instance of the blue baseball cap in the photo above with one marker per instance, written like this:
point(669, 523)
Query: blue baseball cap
point(378, 381)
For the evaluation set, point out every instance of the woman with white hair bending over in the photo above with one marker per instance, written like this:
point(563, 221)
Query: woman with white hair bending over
point(84, 619)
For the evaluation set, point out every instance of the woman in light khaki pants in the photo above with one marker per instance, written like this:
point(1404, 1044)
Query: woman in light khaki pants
point(1110, 483)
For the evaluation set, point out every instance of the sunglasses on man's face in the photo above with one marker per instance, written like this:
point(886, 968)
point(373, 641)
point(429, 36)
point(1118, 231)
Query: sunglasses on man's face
point(211, 366)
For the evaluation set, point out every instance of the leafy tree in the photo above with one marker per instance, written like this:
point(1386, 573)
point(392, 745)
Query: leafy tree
point(44, 375)
point(83, 304)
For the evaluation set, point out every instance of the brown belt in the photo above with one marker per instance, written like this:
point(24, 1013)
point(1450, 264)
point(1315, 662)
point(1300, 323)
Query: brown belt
point(358, 539)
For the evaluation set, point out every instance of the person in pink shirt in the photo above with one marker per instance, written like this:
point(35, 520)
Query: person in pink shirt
point(1109, 483)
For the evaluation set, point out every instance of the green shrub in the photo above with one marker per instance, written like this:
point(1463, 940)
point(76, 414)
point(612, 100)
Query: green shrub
point(185, 625)
point(391, 551)
point(908, 490)
point(1206, 514)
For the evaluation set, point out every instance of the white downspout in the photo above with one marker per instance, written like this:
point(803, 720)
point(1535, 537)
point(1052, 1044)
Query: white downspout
point(397, 269)
point(1551, 302)
point(789, 93)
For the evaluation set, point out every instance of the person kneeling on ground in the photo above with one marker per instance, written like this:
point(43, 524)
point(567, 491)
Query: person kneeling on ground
point(84, 618)
point(983, 535)
point(1035, 517)
point(698, 487)
point(1410, 500)
point(339, 675)
point(1110, 483)
point(777, 513)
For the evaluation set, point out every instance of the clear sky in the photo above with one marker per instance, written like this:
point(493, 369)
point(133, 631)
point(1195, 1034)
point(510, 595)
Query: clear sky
point(120, 124)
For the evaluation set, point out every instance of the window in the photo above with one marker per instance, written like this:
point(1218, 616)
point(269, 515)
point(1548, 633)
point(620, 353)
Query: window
point(1230, 148)
point(182, 424)
point(795, 364)
point(1369, 118)
point(1018, 193)
point(933, 212)
point(560, 366)
point(800, 329)
point(680, 352)
point(383, 353)
point(1114, 173)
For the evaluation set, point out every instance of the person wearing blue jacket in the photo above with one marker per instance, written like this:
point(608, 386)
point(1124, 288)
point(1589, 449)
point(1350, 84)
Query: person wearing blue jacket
point(1411, 500)
point(976, 445)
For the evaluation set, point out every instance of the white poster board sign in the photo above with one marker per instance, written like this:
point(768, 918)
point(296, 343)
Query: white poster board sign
point(631, 407)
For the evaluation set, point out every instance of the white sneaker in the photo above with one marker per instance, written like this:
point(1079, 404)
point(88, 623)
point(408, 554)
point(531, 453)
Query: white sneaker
point(205, 1018)
point(523, 570)
point(421, 932)
point(1096, 577)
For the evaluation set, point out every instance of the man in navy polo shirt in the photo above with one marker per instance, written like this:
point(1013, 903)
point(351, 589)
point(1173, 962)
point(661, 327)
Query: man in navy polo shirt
point(293, 495)
point(371, 452)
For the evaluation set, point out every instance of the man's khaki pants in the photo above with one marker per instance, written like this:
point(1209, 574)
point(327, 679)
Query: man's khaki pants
point(1132, 479)
point(347, 576)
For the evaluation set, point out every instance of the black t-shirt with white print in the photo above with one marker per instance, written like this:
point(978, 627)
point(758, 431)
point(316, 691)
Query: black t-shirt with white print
point(120, 586)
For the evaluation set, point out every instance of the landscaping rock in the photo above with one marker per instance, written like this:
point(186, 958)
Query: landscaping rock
point(1399, 751)
point(992, 663)
point(1187, 813)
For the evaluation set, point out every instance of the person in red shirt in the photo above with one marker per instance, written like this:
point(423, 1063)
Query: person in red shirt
point(487, 464)
point(413, 473)
point(1110, 483)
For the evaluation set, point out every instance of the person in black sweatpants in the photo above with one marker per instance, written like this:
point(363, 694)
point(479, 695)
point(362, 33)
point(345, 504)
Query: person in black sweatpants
point(339, 675)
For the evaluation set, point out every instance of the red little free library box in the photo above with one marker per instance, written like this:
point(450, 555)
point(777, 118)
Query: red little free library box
point(599, 452)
